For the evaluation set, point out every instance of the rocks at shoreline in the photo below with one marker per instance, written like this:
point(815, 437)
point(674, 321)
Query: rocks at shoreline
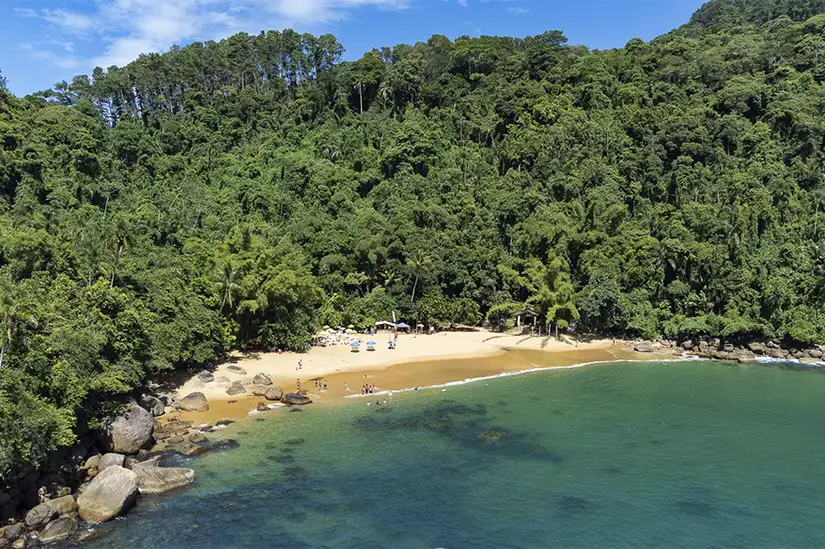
point(112, 492)
point(713, 348)
point(236, 388)
point(262, 379)
point(274, 393)
point(194, 402)
point(152, 404)
point(152, 479)
point(130, 432)
point(58, 530)
point(296, 399)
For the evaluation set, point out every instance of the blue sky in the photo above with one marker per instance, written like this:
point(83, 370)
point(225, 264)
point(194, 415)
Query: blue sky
point(46, 41)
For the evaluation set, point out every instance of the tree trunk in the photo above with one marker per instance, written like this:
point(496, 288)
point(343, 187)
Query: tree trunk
point(2, 353)
point(415, 285)
point(361, 97)
point(114, 270)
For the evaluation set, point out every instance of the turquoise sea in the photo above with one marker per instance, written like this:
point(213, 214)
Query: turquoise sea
point(657, 454)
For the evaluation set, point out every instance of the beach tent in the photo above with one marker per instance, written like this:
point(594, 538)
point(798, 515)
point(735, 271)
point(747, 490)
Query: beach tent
point(355, 346)
point(385, 324)
point(402, 326)
point(370, 345)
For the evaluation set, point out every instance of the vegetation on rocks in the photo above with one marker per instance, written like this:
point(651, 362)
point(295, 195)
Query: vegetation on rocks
point(245, 193)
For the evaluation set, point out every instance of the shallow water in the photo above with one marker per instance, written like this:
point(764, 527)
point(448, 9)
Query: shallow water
point(677, 454)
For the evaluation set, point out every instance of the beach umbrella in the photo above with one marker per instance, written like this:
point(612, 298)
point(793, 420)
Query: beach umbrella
point(370, 343)
point(356, 344)
point(351, 326)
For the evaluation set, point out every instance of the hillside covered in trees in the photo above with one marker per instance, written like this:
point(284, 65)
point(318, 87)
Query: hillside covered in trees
point(247, 192)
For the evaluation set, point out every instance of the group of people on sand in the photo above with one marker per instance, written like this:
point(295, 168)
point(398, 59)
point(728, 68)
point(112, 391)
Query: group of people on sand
point(321, 384)
point(367, 389)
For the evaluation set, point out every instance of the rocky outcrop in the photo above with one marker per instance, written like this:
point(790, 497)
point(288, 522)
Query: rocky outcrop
point(193, 450)
point(197, 438)
point(158, 480)
point(296, 399)
point(262, 379)
point(58, 530)
point(274, 393)
point(63, 505)
point(259, 390)
point(236, 388)
point(130, 432)
point(112, 492)
point(643, 347)
point(194, 402)
point(151, 404)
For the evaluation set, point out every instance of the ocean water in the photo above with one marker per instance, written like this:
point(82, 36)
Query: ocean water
point(658, 454)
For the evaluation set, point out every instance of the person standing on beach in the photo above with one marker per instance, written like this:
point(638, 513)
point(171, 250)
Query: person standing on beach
point(298, 384)
point(325, 385)
point(346, 387)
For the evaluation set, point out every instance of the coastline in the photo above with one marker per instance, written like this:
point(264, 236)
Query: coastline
point(423, 361)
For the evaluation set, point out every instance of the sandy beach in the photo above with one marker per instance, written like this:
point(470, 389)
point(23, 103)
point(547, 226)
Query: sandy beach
point(418, 361)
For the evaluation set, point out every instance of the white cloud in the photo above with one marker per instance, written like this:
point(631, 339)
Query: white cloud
point(131, 27)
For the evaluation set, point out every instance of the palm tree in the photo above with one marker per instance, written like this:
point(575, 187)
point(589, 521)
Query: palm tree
point(553, 293)
point(227, 285)
point(419, 262)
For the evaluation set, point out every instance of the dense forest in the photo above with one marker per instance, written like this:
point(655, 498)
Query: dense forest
point(244, 193)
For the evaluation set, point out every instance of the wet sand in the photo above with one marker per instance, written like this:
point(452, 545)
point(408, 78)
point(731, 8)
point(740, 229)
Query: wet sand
point(408, 375)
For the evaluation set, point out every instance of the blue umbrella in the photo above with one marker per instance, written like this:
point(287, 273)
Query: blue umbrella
point(356, 344)
point(370, 343)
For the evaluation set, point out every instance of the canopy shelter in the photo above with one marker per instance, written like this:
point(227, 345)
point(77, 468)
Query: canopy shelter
point(385, 324)
point(526, 317)
point(402, 326)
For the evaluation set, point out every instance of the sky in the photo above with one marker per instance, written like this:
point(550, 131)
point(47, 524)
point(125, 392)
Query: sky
point(46, 41)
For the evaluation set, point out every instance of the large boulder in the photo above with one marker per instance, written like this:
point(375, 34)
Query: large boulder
point(776, 353)
point(13, 531)
point(58, 530)
point(194, 402)
point(295, 399)
point(236, 388)
point(151, 404)
point(107, 460)
point(40, 515)
point(274, 393)
point(262, 379)
point(259, 390)
point(687, 345)
point(112, 492)
point(815, 353)
point(756, 347)
point(262, 407)
point(236, 369)
point(157, 480)
point(130, 432)
point(643, 347)
point(64, 505)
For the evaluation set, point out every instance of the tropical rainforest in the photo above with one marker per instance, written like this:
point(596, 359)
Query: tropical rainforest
point(244, 193)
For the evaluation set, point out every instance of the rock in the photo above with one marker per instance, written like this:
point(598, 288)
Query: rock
point(715, 342)
point(193, 450)
point(19, 544)
point(40, 515)
point(815, 353)
point(744, 357)
point(58, 530)
point(808, 360)
point(129, 433)
point(222, 380)
point(171, 409)
point(720, 355)
point(177, 439)
point(775, 353)
point(225, 422)
point(274, 393)
point(262, 379)
point(295, 399)
point(643, 347)
point(756, 347)
point(194, 402)
point(197, 438)
point(703, 345)
point(799, 354)
point(107, 460)
point(262, 407)
point(206, 377)
point(205, 427)
point(63, 505)
point(14, 531)
point(236, 388)
point(152, 405)
point(236, 369)
point(259, 390)
point(157, 480)
point(112, 492)
point(687, 345)
point(728, 348)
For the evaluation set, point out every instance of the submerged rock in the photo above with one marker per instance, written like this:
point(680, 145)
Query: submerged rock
point(194, 450)
point(130, 432)
point(262, 407)
point(194, 402)
point(197, 438)
point(112, 492)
